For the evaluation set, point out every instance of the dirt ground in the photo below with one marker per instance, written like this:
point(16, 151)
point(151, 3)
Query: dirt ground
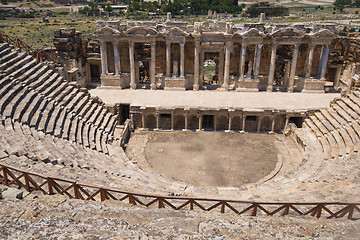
point(205, 158)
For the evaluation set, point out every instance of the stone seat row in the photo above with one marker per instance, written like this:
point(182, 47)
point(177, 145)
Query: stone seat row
point(314, 179)
point(34, 94)
point(337, 127)
point(25, 147)
point(331, 162)
point(45, 119)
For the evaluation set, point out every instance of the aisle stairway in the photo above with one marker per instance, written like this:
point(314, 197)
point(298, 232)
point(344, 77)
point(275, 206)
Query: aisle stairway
point(54, 127)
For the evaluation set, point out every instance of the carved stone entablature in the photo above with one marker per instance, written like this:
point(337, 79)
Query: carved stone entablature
point(252, 36)
point(175, 35)
point(323, 36)
point(251, 56)
point(107, 31)
point(141, 32)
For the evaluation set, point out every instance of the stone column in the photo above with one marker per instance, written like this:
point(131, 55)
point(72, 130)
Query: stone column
point(257, 61)
point(243, 123)
point(200, 122)
point(230, 121)
point(309, 60)
point(182, 59)
point(103, 53)
point(321, 59)
point(293, 68)
point(132, 65)
point(272, 68)
point(196, 65)
point(116, 57)
point(242, 61)
point(259, 118)
point(227, 66)
point(152, 66)
point(186, 122)
point(143, 120)
point(286, 123)
point(168, 59)
point(157, 121)
point(324, 61)
point(221, 68)
point(272, 124)
point(172, 121)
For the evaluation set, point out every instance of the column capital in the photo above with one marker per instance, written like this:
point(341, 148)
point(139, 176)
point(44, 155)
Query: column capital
point(311, 45)
point(168, 43)
point(297, 45)
point(260, 45)
point(153, 43)
point(182, 44)
point(115, 42)
point(228, 44)
point(274, 45)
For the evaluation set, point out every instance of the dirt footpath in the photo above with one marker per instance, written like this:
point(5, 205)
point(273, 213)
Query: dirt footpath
point(205, 158)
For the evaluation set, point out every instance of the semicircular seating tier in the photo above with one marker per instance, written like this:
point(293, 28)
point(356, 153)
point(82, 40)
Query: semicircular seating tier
point(33, 94)
point(54, 128)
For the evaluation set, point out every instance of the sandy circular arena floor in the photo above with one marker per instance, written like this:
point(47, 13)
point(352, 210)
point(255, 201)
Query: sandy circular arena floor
point(205, 158)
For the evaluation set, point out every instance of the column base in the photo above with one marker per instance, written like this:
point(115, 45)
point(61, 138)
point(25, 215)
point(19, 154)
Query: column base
point(153, 86)
point(269, 88)
point(290, 89)
point(195, 87)
point(225, 87)
point(132, 85)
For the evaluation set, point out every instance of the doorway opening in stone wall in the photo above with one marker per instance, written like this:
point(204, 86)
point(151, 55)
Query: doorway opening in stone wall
point(95, 74)
point(298, 121)
point(124, 112)
point(211, 71)
point(143, 58)
point(208, 122)
point(144, 75)
point(282, 68)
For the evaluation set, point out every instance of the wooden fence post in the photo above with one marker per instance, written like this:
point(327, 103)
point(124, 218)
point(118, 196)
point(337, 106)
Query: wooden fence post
point(103, 194)
point(76, 190)
point(50, 185)
point(6, 180)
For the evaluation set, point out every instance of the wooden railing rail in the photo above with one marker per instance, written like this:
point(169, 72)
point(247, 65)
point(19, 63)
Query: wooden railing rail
point(40, 55)
point(73, 190)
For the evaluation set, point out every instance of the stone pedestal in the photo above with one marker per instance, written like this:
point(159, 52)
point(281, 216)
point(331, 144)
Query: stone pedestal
point(314, 85)
point(122, 80)
point(248, 85)
point(175, 83)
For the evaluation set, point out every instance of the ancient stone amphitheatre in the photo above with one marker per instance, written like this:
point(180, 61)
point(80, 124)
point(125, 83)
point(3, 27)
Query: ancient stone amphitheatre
point(131, 140)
